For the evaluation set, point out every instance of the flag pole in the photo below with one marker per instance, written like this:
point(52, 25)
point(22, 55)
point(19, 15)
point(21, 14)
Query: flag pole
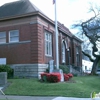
point(56, 30)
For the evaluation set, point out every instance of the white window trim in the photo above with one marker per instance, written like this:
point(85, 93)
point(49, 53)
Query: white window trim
point(63, 52)
point(49, 43)
point(3, 37)
point(16, 35)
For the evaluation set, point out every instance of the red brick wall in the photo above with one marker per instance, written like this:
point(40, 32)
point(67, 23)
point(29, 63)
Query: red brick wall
point(36, 43)
point(34, 51)
point(74, 45)
point(68, 44)
point(16, 53)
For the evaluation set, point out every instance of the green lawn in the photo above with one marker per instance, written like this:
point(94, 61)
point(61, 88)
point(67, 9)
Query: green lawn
point(5, 99)
point(2, 99)
point(82, 88)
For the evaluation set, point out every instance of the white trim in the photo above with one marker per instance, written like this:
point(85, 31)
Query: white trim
point(48, 42)
point(63, 52)
point(16, 42)
point(65, 43)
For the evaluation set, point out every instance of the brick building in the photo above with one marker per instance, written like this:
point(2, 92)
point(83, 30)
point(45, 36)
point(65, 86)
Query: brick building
point(27, 39)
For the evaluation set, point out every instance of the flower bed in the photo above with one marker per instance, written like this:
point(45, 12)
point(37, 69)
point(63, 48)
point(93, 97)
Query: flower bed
point(55, 77)
point(51, 77)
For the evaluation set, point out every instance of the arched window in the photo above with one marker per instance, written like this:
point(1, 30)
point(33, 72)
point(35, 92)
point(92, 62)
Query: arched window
point(77, 56)
point(63, 52)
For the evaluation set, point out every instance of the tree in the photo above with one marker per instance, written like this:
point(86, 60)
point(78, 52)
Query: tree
point(91, 29)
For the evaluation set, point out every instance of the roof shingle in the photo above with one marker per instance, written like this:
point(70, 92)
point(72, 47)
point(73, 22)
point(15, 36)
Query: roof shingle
point(17, 8)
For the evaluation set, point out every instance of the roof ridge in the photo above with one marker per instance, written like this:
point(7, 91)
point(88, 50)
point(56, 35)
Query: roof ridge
point(28, 1)
point(34, 7)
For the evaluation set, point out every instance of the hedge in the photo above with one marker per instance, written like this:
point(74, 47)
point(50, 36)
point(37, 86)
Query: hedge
point(8, 69)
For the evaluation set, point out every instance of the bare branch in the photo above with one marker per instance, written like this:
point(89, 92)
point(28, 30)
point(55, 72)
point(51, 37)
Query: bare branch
point(92, 60)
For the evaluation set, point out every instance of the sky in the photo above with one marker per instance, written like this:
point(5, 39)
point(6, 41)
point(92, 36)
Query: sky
point(68, 11)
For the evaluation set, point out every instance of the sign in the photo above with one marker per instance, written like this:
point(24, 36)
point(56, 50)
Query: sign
point(51, 66)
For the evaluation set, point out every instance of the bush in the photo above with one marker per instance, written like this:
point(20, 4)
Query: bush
point(54, 77)
point(70, 75)
point(44, 77)
point(51, 77)
point(8, 69)
point(64, 68)
point(67, 76)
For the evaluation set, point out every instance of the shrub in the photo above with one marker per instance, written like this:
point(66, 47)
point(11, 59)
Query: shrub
point(54, 77)
point(51, 77)
point(8, 69)
point(64, 68)
point(70, 75)
point(44, 77)
point(66, 77)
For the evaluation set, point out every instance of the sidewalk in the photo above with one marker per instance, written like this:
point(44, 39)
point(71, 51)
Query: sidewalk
point(41, 98)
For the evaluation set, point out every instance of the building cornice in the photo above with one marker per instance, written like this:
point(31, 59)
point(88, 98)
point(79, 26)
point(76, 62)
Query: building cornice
point(37, 13)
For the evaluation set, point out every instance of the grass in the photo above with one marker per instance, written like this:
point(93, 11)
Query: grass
point(2, 99)
point(5, 99)
point(82, 87)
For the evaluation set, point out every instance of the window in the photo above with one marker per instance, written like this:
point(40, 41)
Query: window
point(85, 68)
point(14, 36)
point(48, 44)
point(63, 52)
point(77, 56)
point(2, 37)
point(69, 52)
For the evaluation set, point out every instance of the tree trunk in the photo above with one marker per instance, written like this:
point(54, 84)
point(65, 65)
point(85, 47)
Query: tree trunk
point(94, 67)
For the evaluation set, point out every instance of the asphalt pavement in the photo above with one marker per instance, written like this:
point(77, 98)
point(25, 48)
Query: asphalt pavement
point(41, 98)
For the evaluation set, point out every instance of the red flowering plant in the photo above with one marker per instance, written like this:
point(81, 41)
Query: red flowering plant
point(55, 77)
point(44, 77)
point(70, 75)
point(67, 76)
point(51, 77)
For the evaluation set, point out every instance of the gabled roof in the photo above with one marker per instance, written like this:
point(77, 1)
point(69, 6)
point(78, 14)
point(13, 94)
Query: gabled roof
point(17, 8)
